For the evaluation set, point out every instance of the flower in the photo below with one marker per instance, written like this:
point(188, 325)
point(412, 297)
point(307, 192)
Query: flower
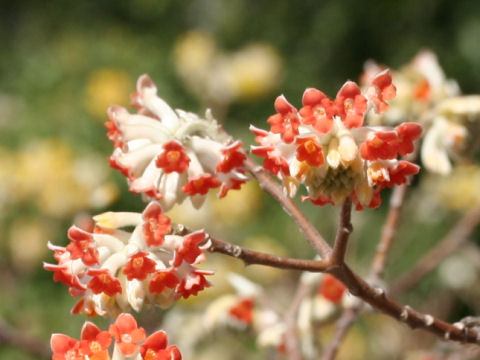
point(169, 155)
point(127, 334)
point(113, 269)
point(129, 340)
point(325, 146)
point(331, 288)
point(424, 94)
point(220, 77)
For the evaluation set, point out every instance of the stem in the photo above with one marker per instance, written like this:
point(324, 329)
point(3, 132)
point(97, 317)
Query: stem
point(15, 338)
point(376, 297)
point(389, 231)
point(343, 325)
point(251, 257)
point(292, 340)
point(273, 188)
point(343, 233)
point(457, 237)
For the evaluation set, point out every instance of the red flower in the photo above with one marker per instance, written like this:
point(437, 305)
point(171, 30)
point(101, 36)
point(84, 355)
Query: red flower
point(382, 90)
point(65, 348)
point(388, 144)
point(201, 184)
point(139, 266)
point(156, 224)
point(408, 132)
point(102, 281)
point(286, 121)
point(193, 283)
point(399, 174)
point(309, 151)
point(331, 288)
point(382, 146)
point(161, 280)
point(189, 250)
point(114, 133)
point(317, 110)
point(155, 348)
point(173, 158)
point(127, 334)
point(82, 246)
point(233, 158)
point(350, 105)
point(94, 342)
point(243, 311)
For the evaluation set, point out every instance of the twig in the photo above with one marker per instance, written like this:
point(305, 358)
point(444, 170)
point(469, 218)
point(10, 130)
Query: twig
point(376, 297)
point(343, 325)
point(13, 337)
point(388, 232)
point(292, 341)
point(250, 257)
point(343, 233)
point(376, 271)
point(452, 241)
point(276, 190)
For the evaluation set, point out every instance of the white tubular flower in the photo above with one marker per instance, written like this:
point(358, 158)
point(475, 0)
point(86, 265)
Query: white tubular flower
point(169, 155)
point(112, 269)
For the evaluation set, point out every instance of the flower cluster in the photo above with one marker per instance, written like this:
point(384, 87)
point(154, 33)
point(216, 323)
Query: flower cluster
point(169, 155)
point(129, 340)
point(112, 269)
point(325, 146)
point(425, 95)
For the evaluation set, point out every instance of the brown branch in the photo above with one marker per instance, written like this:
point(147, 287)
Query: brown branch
point(376, 271)
point(251, 257)
point(273, 188)
point(13, 337)
point(452, 241)
point(376, 297)
point(343, 233)
point(292, 341)
point(388, 232)
point(343, 325)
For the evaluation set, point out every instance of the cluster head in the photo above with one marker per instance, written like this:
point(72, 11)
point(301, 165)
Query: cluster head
point(112, 269)
point(325, 146)
point(170, 155)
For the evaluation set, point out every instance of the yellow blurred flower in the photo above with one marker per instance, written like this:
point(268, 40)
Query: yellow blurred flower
point(256, 69)
point(105, 87)
point(193, 52)
point(238, 207)
point(459, 190)
point(48, 173)
point(218, 77)
point(27, 242)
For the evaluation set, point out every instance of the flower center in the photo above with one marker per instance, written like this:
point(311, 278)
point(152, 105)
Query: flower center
point(138, 262)
point(126, 338)
point(173, 156)
point(150, 355)
point(95, 346)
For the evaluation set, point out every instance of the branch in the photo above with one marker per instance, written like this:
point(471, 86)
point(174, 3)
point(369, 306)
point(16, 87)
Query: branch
point(376, 271)
point(389, 231)
point(343, 233)
point(13, 337)
point(376, 297)
point(343, 325)
point(292, 340)
point(273, 188)
point(250, 257)
point(452, 241)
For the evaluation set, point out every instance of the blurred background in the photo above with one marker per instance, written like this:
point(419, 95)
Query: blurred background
point(63, 62)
